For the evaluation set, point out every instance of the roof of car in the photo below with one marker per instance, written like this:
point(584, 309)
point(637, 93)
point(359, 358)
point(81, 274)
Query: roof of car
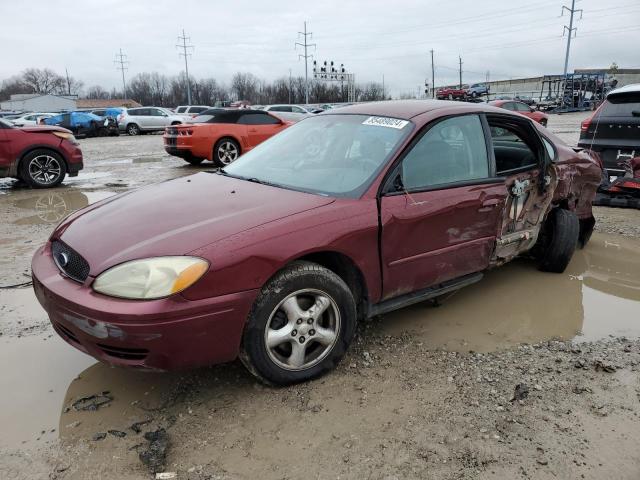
point(632, 88)
point(403, 109)
point(230, 116)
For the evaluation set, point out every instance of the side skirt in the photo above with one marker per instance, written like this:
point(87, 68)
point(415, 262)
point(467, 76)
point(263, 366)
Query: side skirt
point(422, 295)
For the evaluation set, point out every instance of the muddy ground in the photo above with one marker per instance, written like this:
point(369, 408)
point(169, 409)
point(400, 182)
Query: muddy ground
point(523, 375)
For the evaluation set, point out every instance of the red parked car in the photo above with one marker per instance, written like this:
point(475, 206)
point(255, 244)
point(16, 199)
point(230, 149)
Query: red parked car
point(345, 215)
point(523, 109)
point(41, 156)
point(451, 93)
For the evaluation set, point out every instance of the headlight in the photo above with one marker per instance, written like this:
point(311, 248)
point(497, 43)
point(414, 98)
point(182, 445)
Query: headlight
point(66, 136)
point(151, 278)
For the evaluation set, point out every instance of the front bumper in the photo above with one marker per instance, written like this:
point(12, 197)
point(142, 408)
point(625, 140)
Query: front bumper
point(165, 334)
point(73, 156)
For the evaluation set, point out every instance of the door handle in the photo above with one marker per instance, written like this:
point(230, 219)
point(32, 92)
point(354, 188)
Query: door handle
point(489, 205)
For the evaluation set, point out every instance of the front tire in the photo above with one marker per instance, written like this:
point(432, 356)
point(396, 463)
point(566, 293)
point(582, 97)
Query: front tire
point(42, 168)
point(559, 240)
point(225, 151)
point(300, 325)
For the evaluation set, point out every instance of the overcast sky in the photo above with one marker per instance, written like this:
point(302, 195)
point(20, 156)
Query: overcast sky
point(372, 38)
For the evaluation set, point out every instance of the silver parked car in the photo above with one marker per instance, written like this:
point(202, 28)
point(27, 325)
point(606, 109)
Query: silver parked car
point(147, 119)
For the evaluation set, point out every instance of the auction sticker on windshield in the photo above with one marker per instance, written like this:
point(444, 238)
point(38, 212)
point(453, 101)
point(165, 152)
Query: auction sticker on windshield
point(386, 122)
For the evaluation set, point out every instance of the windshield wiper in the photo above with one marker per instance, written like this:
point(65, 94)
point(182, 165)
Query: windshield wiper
point(261, 182)
point(248, 179)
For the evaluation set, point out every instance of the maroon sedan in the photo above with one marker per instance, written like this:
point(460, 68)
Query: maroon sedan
point(523, 109)
point(342, 216)
point(40, 156)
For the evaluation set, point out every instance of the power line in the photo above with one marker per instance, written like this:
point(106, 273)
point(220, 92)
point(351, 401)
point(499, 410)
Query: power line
point(571, 29)
point(185, 54)
point(306, 57)
point(121, 59)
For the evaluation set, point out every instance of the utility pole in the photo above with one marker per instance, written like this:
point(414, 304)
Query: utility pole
point(121, 59)
point(460, 61)
point(306, 57)
point(433, 77)
point(185, 54)
point(571, 29)
point(290, 86)
point(68, 81)
point(384, 97)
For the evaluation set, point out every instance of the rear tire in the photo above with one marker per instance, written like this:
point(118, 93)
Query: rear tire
point(559, 240)
point(42, 168)
point(300, 325)
point(225, 151)
point(133, 129)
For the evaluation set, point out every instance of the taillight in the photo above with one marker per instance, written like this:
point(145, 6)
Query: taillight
point(584, 126)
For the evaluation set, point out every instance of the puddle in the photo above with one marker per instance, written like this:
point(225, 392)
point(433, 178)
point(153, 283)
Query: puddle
point(36, 372)
point(598, 296)
point(51, 207)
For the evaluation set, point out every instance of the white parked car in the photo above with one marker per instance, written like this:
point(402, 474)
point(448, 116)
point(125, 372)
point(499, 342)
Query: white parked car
point(291, 108)
point(190, 111)
point(30, 119)
point(138, 120)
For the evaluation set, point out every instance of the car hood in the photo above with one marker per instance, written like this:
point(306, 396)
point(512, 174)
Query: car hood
point(176, 217)
point(43, 128)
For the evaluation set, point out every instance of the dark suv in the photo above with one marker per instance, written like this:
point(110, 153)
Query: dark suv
point(614, 129)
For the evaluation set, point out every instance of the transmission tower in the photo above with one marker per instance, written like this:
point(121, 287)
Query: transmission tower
point(185, 53)
point(571, 29)
point(305, 35)
point(121, 64)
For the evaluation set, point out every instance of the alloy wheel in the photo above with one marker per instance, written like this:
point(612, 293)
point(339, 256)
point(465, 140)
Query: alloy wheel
point(45, 169)
point(227, 152)
point(302, 330)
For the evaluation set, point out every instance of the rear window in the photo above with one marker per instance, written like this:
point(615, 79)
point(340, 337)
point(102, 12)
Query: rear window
point(621, 106)
point(181, 109)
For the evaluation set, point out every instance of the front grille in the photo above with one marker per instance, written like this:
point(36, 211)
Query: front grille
point(69, 261)
point(124, 353)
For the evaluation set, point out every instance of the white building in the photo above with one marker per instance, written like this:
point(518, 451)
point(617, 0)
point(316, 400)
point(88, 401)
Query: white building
point(35, 102)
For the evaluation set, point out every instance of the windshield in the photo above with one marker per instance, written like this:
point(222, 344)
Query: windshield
point(336, 155)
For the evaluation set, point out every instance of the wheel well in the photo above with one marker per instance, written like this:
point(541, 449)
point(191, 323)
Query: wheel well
point(176, 123)
point(39, 147)
point(348, 271)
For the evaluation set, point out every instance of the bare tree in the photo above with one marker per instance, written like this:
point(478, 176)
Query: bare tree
point(14, 85)
point(43, 81)
point(96, 92)
point(244, 86)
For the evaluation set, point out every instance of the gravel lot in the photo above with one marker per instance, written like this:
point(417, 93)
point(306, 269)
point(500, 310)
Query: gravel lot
point(523, 375)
